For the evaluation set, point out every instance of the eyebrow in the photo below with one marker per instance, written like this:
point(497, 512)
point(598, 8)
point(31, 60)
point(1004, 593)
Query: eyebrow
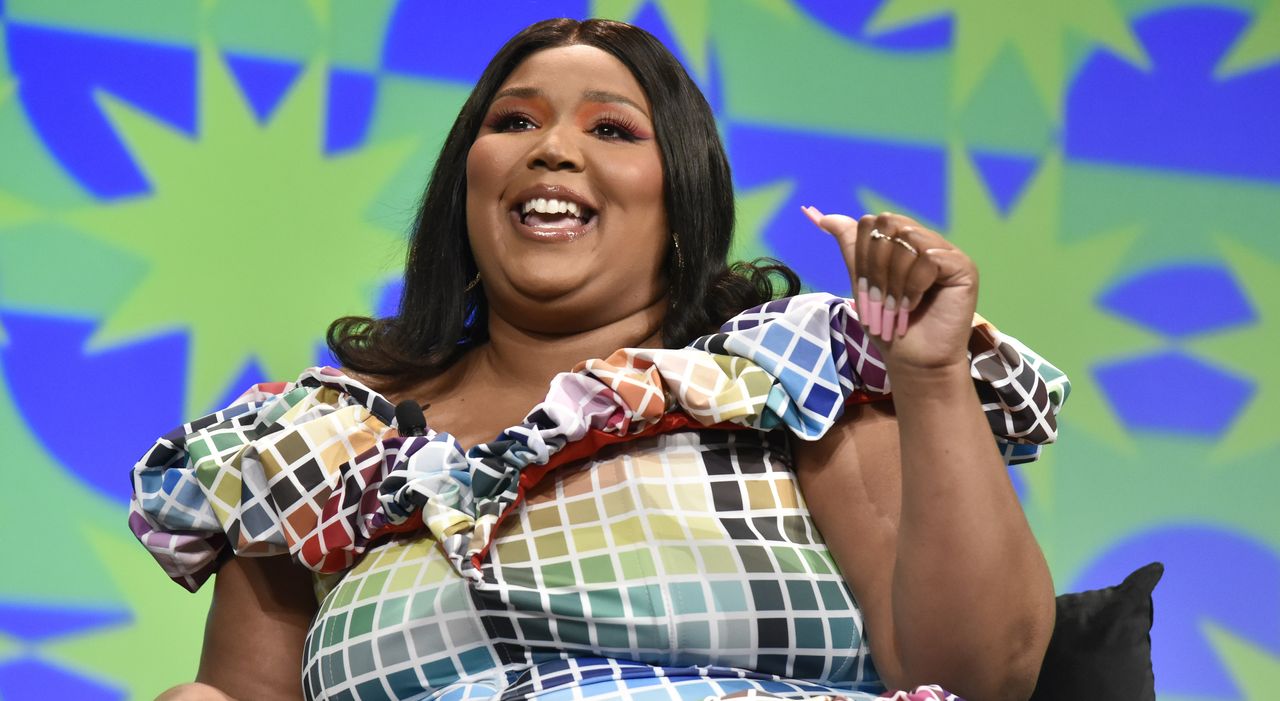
point(588, 95)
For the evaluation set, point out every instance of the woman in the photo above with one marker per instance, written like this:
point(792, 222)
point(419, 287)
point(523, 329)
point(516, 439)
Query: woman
point(641, 533)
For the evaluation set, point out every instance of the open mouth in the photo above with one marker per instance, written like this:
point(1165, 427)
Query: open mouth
point(550, 214)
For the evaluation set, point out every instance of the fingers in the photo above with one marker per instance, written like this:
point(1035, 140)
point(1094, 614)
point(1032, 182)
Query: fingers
point(904, 263)
point(874, 258)
point(843, 229)
point(899, 273)
point(850, 234)
point(892, 261)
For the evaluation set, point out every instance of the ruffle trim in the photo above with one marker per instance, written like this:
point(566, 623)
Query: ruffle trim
point(317, 469)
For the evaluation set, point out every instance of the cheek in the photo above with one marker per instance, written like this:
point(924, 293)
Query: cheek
point(639, 185)
point(476, 162)
point(485, 166)
point(484, 177)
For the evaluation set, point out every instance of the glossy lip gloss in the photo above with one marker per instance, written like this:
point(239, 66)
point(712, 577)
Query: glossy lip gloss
point(546, 234)
point(571, 233)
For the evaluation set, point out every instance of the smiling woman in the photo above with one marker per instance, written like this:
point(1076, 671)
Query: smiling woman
point(640, 475)
point(572, 126)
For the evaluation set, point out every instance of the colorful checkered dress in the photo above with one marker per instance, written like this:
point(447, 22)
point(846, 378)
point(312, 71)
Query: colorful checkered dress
point(639, 536)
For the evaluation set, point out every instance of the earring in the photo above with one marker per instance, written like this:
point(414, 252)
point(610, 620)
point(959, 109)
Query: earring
point(675, 243)
point(471, 285)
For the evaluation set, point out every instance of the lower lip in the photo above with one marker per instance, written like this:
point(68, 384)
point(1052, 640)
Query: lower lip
point(553, 235)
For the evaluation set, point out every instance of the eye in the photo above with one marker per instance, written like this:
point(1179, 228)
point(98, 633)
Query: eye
point(615, 128)
point(510, 121)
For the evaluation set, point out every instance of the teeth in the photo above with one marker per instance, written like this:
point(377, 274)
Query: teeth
point(551, 206)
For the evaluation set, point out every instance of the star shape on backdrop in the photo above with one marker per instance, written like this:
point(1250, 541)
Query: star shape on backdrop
point(1041, 32)
point(1238, 346)
point(159, 608)
point(1200, 537)
point(685, 26)
point(322, 11)
point(756, 207)
point(9, 648)
point(64, 576)
point(1255, 671)
point(688, 20)
point(1175, 212)
point(253, 27)
point(1258, 46)
point(169, 21)
point(1091, 508)
point(254, 240)
point(1047, 300)
point(13, 210)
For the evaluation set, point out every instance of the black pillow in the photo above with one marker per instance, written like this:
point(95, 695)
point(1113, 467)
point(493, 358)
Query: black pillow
point(1101, 644)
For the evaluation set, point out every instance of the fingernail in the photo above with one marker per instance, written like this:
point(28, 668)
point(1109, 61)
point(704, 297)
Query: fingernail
point(861, 299)
point(904, 316)
point(887, 323)
point(875, 310)
point(814, 215)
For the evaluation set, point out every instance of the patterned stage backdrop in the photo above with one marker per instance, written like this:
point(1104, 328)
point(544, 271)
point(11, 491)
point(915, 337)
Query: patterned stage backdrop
point(191, 190)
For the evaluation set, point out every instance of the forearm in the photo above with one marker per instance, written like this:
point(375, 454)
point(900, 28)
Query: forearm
point(972, 595)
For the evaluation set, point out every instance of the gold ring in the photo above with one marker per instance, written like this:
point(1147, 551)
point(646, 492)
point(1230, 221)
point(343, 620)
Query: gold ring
point(906, 245)
point(875, 234)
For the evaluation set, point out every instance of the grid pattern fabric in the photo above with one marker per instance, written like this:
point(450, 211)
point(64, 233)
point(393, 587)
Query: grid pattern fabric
point(686, 561)
point(318, 469)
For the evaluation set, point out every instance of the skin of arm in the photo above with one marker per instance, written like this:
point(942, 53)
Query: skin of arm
point(913, 498)
point(919, 513)
point(253, 639)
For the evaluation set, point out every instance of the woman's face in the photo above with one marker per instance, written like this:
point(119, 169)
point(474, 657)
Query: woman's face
point(570, 132)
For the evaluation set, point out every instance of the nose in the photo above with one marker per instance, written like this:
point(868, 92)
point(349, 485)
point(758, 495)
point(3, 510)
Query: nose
point(556, 150)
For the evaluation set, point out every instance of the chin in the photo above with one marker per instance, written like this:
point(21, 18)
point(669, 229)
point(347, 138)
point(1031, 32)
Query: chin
point(554, 281)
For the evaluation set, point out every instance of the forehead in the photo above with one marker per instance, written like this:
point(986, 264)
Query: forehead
point(571, 70)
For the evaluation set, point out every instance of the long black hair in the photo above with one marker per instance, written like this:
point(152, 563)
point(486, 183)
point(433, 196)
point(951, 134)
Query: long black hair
point(439, 319)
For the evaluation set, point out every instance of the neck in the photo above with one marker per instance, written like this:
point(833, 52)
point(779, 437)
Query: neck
point(528, 358)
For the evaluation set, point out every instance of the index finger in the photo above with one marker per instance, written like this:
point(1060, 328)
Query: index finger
point(847, 233)
point(843, 228)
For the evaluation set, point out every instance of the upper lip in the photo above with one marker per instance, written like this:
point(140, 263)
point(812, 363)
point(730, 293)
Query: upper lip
point(558, 192)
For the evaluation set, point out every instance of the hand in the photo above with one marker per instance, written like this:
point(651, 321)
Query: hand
point(906, 276)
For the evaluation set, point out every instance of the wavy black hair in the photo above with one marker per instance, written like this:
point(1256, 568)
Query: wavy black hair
point(439, 320)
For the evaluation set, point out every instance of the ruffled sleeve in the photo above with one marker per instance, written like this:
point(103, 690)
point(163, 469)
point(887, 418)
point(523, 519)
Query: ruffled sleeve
point(317, 468)
point(257, 478)
point(821, 358)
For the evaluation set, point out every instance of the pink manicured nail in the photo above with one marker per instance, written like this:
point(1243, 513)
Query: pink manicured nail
point(875, 311)
point(860, 299)
point(904, 316)
point(887, 323)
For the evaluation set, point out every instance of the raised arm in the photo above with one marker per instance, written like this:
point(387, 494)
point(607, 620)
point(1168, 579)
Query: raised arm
point(253, 639)
point(914, 500)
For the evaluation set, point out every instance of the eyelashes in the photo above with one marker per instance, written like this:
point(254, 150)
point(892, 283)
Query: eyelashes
point(506, 120)
point(623, 127)
point(609, 127)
